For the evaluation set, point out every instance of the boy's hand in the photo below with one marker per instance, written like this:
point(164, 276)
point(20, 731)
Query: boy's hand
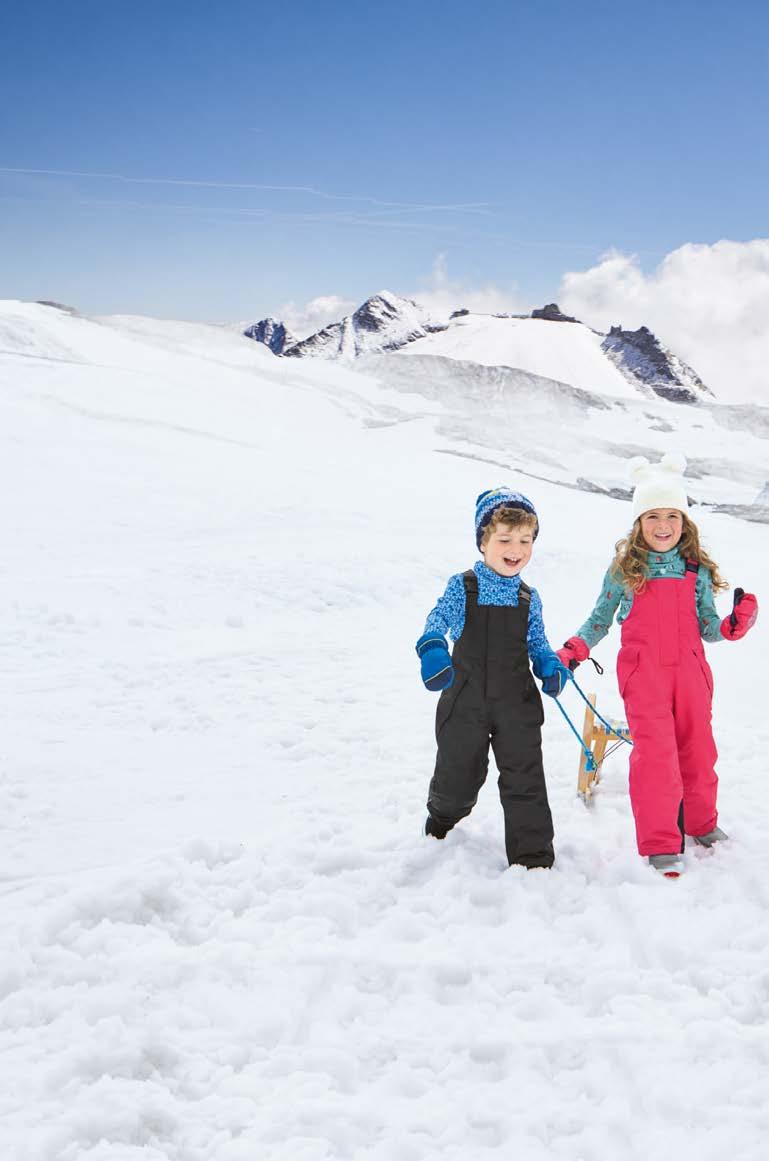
point(554, 682)
point(552, 673)
point(433, 653)
point(572, 652)
point(742, 617)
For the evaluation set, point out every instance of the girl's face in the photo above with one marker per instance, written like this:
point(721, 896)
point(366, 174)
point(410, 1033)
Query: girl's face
point(662, 528)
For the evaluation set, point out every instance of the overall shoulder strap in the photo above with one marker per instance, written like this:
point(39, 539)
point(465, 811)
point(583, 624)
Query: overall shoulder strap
point(470, 581)
point(691, 575)
point(524, 592)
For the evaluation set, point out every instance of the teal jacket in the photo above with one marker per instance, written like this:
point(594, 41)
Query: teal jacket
point(617, 599)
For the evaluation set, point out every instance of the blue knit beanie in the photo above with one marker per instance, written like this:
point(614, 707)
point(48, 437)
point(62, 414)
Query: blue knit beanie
point(488, 502)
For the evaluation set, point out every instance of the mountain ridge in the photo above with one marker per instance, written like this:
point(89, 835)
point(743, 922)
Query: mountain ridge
point(387, 323)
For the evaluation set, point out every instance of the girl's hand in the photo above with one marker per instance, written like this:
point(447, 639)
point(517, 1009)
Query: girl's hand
point(572, 652)
point(742, 617)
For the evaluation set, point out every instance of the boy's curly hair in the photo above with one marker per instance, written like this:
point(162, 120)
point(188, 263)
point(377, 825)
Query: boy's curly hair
point(513, 517)
point(630, 562)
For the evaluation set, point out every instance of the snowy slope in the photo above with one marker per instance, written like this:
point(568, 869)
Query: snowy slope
point(568, 352)
point(223, 939)
point(552, 431)
point(33, 330)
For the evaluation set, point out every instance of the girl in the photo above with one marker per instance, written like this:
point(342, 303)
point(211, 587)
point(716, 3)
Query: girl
point(661, 585)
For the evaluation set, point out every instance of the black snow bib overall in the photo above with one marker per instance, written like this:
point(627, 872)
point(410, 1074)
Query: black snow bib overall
point(494, 701)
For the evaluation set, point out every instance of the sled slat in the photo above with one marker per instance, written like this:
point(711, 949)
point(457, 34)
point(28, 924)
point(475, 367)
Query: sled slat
point(596, 737)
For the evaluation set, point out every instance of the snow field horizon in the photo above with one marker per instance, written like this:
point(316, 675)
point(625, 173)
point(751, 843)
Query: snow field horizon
point(224, 938)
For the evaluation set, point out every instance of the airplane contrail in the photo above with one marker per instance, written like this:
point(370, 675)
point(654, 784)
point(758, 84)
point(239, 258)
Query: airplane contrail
point(465, 207)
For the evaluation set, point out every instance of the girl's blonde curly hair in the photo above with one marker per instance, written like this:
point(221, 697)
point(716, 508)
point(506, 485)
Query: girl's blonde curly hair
point(630, 562)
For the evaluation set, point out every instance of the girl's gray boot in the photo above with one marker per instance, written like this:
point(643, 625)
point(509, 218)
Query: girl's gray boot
point(716, 835)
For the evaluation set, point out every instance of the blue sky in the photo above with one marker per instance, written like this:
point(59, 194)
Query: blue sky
point(214, 160)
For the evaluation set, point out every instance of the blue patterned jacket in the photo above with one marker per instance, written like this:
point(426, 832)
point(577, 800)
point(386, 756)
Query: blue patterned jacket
point(448, 616)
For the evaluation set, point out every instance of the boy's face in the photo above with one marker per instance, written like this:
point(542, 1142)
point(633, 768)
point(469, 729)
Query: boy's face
point(662, 528)
point(508, 550)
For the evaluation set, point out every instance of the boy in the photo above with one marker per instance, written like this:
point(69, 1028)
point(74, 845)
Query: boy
point(489, 696)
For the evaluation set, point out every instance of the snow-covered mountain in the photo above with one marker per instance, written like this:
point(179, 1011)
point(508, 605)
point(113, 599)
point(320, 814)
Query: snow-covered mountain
point(385, 322)
point(640, 357)
point(476, 404)
point(222, 938)
point(273, 334)
point(546, 342)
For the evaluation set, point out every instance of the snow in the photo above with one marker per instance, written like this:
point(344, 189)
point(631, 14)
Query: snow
point(567, 352)
point(223, 937)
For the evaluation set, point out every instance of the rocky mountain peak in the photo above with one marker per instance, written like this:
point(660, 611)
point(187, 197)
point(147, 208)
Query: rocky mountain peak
point(642, 358)
point(553, 313)
point(384, 322)
point(379, 311)
point(272, 333)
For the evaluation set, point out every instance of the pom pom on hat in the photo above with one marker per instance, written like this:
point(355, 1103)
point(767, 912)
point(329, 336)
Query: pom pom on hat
point(674, 462)
point(636, 466)
point(658, 485)
point(488, 502)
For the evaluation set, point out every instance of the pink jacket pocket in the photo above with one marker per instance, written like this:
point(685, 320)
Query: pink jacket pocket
point(627, 663)
point(707, 672)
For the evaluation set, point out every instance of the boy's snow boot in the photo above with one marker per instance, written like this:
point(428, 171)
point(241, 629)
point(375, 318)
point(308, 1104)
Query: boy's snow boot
point(671, 866)
point(431, 828)
point(716, 835)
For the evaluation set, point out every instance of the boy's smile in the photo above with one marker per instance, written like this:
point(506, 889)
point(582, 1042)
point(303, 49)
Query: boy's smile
point(662, 528)
point(508, 550)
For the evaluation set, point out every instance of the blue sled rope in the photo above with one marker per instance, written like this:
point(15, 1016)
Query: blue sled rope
point(589, 759)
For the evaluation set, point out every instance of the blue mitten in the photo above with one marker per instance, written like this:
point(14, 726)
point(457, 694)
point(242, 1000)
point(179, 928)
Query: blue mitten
point(437, 670)
point(552, 673)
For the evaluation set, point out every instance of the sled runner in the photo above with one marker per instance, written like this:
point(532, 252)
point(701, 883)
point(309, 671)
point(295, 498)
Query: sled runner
point(595, 738)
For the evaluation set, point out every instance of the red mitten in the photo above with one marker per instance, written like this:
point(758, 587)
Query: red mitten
point(742, 617)
point(572, 652)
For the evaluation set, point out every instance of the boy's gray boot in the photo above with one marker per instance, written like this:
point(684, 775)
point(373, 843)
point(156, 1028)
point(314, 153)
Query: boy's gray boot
point(716, 835)
point(671, 866)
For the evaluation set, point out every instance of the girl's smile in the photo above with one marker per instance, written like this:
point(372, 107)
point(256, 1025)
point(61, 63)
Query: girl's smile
point(662, 528)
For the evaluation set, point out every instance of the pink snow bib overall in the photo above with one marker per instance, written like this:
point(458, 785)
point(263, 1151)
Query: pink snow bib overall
point(667, 687)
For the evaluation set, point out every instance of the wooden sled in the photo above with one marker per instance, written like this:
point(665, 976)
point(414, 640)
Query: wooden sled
point(595, 737)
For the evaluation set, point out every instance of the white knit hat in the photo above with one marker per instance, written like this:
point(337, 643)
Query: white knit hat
point(658, 485)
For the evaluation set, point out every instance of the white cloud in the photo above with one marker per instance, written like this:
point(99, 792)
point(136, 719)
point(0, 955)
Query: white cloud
point(709, 304)
point(315, 314)
point(441, 295)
